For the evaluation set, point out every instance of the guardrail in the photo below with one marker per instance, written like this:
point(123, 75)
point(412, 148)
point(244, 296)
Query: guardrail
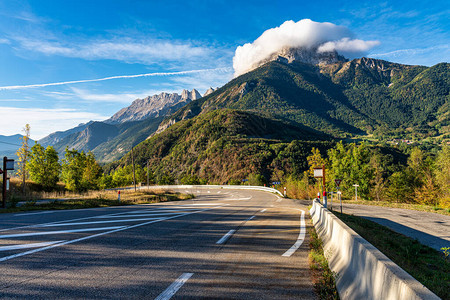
point(230, 187)
point(363, 272)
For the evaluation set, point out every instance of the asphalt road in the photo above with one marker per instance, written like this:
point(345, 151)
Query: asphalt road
point(428, 228)
point(228, 244)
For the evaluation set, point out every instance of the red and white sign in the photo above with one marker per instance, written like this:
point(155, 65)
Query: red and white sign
point(338, 182)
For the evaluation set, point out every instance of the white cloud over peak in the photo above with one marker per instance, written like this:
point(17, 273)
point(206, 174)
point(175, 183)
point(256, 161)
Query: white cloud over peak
point(302, 34)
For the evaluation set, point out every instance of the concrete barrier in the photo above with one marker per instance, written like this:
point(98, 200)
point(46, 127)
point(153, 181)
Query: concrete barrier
point(230, 187)
point(363, 272)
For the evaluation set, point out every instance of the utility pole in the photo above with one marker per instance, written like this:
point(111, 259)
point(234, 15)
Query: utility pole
point(148, 181)
point(134, 172)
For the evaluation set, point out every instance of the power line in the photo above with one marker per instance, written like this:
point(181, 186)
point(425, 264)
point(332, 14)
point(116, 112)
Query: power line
point(10, 144)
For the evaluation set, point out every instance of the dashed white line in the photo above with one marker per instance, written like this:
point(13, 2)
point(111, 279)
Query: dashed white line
point(251, 218)
point(57, 232)
point(263, 210)
point(226, 237)
point(174, 287)
point(300, 239)
point(138, 215)
point(27, 246)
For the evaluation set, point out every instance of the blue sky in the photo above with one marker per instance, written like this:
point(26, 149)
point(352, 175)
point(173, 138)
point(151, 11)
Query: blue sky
point(45, 42)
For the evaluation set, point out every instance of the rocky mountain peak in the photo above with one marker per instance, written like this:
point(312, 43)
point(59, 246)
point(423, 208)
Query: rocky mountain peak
point(154, 106)
point(209, 91)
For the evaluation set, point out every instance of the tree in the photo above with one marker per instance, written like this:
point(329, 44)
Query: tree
point(44, 166)
point(442, 172)
point(73, 166)
point(23, 155)
point(91, 173)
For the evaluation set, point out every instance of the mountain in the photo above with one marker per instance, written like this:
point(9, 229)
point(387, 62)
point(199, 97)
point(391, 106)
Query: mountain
point(111, 139)
point(154, 106)
point(10, 144)
point(224, 145)
point(341, 98)
point(57, 136)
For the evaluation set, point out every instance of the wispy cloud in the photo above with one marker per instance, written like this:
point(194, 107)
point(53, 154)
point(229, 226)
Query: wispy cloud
point(412, 51)
point(4, 41)
point(18, 87)
point(149, 51)
point(43, 121)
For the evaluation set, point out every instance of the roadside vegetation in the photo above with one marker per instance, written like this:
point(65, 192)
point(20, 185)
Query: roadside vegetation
point(90, 199)
point(323, 278)
point(428, 266)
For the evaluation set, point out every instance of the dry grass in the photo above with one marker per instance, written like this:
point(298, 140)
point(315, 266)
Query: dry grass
point(70, 200)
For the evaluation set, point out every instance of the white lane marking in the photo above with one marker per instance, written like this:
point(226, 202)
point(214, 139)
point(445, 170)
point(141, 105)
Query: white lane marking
point(300, 239)
point(209, 192)
point(140, 215)
point(279, 200)
point(26, 246)
point(174, 287)
point(97, 222)
point(251, 218)
point(57, 232)
point(272, 205)
point(36, 213)
point(226, 237)
point(204, 204)
point(100, 234)
point(264, 210)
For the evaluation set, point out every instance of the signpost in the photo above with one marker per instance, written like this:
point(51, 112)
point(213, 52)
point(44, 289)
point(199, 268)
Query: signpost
point(320, 173)
point(356, 191)
point(8, 164)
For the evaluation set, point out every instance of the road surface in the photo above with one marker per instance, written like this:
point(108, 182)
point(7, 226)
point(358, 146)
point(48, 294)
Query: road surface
point(224, 244)
point(428, 228)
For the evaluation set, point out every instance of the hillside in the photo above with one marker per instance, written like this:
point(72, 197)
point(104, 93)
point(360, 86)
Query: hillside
point(109, 142)
point(358, 97)
point(10, 144)
point(224, 145)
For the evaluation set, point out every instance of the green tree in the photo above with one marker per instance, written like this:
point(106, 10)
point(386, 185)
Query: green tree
point(442, 172)
point(91, 172)
point(73, 166)
point(44, 166)
point(23, 155)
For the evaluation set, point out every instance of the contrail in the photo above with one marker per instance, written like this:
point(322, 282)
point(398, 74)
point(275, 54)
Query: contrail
point(18, 87)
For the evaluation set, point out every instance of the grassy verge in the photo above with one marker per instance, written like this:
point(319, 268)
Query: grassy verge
point(323, 277)
point(100, 199)
point(428, 266)
point(419, 207)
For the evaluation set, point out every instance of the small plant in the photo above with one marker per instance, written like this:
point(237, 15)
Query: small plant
point(446, 251)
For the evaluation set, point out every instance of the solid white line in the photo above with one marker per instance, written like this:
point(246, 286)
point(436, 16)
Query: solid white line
point(97, 222)
point(100, 234)
point(36, 213)
point(226, 237)
point(139, 215)
point(26, 246)
point(174, 287)
point(300, 239)
point(264, 210)
point(57, 232)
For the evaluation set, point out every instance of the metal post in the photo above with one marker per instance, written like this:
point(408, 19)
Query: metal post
point(118, 195)
point(324, 190)
point(340, 199)
point(284, 192)
point(5, 176)
point(134, 172)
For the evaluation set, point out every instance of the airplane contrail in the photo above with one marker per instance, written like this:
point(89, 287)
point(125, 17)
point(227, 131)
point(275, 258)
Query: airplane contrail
point(18, 87)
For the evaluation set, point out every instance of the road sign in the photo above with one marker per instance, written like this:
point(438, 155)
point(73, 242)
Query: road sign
point(318, 172)
point(9, 164)
point(276, 182)
point(338, 182)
